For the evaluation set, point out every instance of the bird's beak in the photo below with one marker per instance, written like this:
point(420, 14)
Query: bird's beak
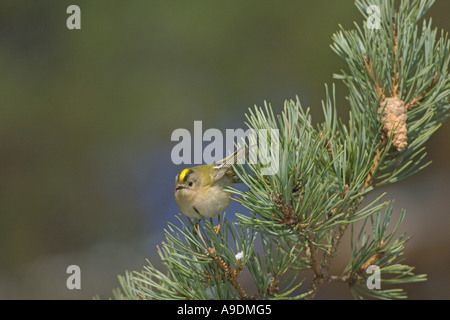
point(179, 188)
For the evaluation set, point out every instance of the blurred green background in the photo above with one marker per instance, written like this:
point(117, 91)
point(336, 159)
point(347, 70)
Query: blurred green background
point(86, 118)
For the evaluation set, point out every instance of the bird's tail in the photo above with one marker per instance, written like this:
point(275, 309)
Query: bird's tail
point(223, 166)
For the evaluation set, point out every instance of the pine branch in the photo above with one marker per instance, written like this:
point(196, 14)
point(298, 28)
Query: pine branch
point(398, 96)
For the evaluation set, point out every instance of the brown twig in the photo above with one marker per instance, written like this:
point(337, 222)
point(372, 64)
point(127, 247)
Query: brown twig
point(231, 275)
point(273, 287)
point(288, 214)
point(373, 258)
point(416, 100)
point(395, 76)
point(313, 256)
point(375, 162)
point(374, 79)
point(289, 218)
point(321, 277)
point(327, 144)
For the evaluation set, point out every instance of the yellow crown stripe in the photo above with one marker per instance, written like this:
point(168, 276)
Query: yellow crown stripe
point(183, 174)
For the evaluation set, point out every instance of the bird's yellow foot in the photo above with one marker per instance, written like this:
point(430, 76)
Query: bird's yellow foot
point(196, 230)
point(217, 229)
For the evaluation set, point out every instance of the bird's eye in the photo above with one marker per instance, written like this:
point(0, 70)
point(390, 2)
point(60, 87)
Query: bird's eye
point(191, 183)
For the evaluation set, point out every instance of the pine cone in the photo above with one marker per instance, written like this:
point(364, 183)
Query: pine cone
point(393, 116)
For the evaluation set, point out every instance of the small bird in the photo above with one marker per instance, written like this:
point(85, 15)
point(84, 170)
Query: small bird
point(199, 191)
